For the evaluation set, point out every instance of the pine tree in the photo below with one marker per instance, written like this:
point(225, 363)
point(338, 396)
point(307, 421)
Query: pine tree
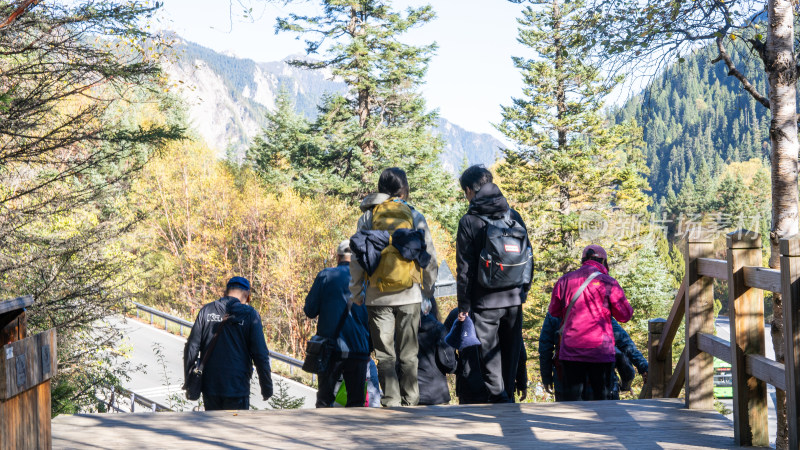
point(571, 173)
point(568, 164)
point(281, 399)
point(277, 152)
point(382, 120)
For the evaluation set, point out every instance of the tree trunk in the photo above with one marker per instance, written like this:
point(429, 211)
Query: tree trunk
point(367, 145)
point(780, 66)
point(561, 91)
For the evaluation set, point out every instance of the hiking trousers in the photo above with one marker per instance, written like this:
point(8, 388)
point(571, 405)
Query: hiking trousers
point(218, 402)
point(577, 374)
point(500, 333)
point(354, 372)
point(388, 324)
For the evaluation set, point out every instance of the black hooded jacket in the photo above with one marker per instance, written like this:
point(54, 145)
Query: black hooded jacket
point(240, 345)
point(488, 201)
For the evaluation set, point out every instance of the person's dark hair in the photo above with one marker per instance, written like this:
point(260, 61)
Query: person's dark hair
point(591, 255)
point(475, 177)
point(235, 287)
point(393, 182)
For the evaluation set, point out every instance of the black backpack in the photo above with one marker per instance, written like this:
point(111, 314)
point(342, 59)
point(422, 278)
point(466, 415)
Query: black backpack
point(506, 259)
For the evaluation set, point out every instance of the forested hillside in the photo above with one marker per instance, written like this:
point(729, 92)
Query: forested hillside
point(694, 114)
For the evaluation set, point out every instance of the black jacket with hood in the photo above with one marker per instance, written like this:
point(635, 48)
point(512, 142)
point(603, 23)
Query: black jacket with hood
point(488, 201)
point(240, 346)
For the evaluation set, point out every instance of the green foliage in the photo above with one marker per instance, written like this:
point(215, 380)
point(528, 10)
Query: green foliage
point(81, 112)
point(696, 119)
point(575, 177)
point(280, 149)
point(381, 120)
point(569, 164)
point(281, 399)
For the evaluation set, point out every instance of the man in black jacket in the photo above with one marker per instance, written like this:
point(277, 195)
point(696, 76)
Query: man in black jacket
point(226, 377)
point(497, 313)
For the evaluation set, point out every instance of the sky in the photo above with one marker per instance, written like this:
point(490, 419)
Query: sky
point(468, 79)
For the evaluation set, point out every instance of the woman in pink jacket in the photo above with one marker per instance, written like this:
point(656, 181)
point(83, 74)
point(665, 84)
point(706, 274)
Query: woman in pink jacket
point(585, 300)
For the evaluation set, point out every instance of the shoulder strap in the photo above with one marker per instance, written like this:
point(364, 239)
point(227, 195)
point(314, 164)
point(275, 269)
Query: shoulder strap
point(575, 299)
point(342, 319)
point(506, 219)
point(212, 344)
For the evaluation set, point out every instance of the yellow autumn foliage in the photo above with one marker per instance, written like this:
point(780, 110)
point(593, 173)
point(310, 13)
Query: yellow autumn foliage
point(207, 221)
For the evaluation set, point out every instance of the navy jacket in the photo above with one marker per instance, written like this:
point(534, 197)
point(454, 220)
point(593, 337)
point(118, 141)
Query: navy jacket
point(367, 246)
point(328, 300)
point(436, 359)
point(240, 345)
point(547, 345)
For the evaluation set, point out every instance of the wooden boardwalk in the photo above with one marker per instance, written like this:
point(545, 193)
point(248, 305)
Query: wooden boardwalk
point(642, 424)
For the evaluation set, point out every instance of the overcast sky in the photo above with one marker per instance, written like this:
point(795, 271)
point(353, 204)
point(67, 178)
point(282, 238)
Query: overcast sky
point(468, 79)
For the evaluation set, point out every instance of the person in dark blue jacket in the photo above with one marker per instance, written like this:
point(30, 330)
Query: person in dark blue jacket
point(327, 300)
point(226, 377)
point(626, 354)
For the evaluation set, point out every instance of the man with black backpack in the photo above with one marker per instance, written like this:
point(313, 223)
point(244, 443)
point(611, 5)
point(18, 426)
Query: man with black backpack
point(494, 263)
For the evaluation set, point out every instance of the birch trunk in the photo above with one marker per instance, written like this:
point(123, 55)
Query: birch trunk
point(780, 66)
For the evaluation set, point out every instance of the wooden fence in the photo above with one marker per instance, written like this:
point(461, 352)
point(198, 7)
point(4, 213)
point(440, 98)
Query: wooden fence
point(751, 370)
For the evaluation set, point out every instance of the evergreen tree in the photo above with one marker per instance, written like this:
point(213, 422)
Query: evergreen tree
point(382, 120)
point(282, 399)
point(568, 164)
point(278, 151)
point(571, 173)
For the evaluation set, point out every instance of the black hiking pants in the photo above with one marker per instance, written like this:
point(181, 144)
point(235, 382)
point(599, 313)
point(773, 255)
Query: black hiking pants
point(500, 333)
point(218, 402)
point(577, 374)
point(354, 372)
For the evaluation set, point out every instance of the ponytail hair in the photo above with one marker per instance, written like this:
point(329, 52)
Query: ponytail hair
point(393, 182)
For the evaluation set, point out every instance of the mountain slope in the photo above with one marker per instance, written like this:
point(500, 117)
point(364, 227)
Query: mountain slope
point(227, 98)
point(694, 114)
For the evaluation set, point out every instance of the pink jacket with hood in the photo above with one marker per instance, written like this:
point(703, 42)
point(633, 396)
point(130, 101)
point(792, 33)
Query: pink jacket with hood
point(588, 336)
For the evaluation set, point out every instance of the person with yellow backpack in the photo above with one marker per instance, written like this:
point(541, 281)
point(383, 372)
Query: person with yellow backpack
point(394, 268)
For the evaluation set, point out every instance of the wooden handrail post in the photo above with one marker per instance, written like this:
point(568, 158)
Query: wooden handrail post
point(699, 319)
point(660, 370)
point(790, 284)
point(746, 307)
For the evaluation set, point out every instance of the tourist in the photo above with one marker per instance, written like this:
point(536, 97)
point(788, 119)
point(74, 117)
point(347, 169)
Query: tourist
point(470, 387)
point(239, 345)
point(394, 267)
point(436, 358)
point(346, 325)
point(585, 300)
point(627, 355)
point(493, 266)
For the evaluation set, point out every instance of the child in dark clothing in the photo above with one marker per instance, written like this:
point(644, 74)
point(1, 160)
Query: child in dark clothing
point(470, 387)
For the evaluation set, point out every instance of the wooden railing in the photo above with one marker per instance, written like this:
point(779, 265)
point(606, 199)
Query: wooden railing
point(751, 370)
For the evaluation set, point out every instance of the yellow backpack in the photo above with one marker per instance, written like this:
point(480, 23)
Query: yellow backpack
point(394, 273)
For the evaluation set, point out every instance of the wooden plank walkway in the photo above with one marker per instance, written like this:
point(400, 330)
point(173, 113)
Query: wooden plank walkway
point(639, 424)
